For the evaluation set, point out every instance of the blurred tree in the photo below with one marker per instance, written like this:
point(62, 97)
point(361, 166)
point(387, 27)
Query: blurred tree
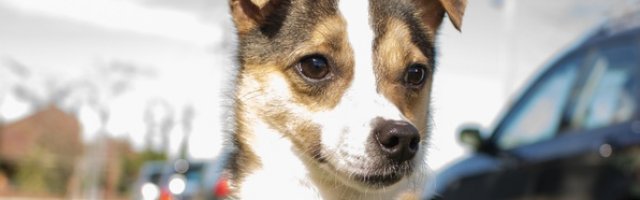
point(12, 73)
point(159, 117)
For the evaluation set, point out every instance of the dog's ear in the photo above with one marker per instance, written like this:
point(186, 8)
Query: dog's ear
point(455, 11)
point(433, 12)
point(249, 14)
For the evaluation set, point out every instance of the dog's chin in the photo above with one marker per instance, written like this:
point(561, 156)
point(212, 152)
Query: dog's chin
point(376, 181)
point(375, 178)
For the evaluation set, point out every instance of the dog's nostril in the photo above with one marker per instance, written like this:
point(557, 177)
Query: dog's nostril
point(414, 144)
point(391, 142)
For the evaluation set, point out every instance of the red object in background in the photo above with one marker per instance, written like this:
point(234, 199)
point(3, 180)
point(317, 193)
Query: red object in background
point(165, 195)
point(222, 188)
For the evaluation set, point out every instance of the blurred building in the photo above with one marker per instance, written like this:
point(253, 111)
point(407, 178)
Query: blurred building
point(40, 148)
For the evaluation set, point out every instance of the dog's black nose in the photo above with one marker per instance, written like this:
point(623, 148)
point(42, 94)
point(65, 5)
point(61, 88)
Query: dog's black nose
point(398, 140)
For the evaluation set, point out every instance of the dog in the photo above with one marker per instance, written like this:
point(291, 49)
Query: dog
point(331, 97)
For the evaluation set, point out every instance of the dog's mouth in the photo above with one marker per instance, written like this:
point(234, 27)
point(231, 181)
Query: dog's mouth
point(377, 176)
point(378, 180)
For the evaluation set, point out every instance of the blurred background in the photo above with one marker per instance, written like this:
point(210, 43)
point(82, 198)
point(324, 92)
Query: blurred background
point(92, 91)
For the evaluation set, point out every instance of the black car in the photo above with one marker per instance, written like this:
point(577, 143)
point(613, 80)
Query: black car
point(574, 133)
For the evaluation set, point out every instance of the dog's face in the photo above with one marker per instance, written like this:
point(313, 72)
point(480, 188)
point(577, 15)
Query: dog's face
point(346, 81)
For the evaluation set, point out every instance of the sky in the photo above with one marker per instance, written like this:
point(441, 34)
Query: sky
point(184, 47)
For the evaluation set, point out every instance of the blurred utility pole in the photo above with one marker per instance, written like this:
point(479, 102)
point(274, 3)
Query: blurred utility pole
point(97, 157)
point(187, 120)
point(508, 10)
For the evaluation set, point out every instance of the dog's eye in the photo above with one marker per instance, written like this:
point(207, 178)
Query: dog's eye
point(415, 75)
point(314, 67)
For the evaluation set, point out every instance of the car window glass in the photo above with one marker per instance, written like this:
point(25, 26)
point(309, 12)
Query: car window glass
point(538, 115)
point(607, 97)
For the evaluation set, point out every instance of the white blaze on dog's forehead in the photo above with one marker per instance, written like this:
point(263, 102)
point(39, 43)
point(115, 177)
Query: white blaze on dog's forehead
point(360, 33)
point(360, 36)
point(363, 89)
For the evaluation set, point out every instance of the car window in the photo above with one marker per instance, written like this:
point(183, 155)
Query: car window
point(608, 96)
point(537, 116)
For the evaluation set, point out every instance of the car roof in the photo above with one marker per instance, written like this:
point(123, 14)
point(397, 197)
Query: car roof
point(620, 26)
